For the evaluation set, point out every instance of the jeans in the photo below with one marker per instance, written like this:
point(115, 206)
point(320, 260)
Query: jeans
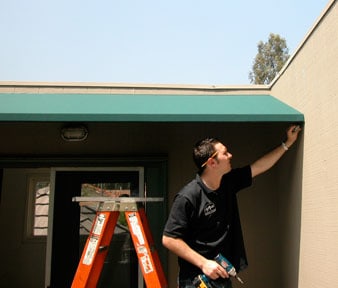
point(219, 283)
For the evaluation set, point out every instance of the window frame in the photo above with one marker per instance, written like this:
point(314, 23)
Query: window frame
point(31, 180)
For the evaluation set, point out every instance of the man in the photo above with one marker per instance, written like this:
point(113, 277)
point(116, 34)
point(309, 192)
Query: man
point(204, 219)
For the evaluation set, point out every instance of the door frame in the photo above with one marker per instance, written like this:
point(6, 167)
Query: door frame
point(54, 170)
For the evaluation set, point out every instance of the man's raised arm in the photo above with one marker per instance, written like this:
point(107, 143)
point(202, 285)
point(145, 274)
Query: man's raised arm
point(268, 160)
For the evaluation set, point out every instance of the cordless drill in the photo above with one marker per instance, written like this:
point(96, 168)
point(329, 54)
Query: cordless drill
point(225, 263)
point(202, 281)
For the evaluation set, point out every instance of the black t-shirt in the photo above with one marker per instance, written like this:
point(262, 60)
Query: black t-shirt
point(208, 221)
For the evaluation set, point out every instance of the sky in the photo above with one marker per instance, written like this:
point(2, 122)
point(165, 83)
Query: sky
point(190, 42)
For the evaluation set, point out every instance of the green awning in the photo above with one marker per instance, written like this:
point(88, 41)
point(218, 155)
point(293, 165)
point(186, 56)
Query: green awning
point(145, 108)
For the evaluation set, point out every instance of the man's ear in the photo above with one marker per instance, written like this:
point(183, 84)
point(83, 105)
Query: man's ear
point(212, 162)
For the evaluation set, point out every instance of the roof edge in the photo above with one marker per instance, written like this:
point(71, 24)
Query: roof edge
point(128, 88)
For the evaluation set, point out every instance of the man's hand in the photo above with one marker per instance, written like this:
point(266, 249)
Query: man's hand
point(213, 270)
point(209, 267)
point(292, 134)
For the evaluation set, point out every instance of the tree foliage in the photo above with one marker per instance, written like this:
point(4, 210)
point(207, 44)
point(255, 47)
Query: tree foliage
point(269, 60)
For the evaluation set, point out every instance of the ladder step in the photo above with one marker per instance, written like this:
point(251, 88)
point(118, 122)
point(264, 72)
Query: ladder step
point(96, 249)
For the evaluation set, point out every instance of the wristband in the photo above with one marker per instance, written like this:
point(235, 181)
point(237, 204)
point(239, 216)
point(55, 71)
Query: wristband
point(286, 148)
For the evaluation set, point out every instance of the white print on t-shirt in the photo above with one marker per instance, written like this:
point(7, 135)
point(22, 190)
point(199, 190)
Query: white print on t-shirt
point(209, 208)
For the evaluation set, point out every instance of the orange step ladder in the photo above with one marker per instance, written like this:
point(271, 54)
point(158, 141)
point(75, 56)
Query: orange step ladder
point(96, 249)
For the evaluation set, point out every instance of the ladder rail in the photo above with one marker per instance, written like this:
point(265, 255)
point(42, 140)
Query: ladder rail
point(98, 241)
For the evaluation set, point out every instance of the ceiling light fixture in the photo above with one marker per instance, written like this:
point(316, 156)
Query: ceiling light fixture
point(74, 133)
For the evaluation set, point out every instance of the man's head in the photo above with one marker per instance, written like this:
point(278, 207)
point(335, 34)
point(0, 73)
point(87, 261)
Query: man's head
point(210, 151)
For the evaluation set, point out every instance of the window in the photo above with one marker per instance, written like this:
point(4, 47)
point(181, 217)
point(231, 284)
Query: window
point(38, 205)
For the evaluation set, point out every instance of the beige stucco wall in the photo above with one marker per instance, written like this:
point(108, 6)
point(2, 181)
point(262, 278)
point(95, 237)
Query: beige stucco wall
point(310, 84)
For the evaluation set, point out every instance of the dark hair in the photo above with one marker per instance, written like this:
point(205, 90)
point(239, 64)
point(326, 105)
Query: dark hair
point(203, 150)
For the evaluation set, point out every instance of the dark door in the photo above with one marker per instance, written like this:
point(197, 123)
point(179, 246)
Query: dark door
point(71, 224)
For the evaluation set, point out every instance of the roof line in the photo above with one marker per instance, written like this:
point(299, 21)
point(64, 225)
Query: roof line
point(4, 85)
point(127, 85)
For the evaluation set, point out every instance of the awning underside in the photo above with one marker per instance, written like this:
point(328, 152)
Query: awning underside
point(145, 108)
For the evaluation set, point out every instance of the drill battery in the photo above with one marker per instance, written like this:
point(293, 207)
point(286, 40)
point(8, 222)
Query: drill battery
point(202, 281)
